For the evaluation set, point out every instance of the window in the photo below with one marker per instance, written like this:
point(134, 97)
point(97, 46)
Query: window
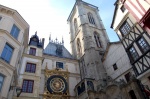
point(0, 17)
point(149, 78)
point(7, 53)
point(143, 45)
point(59, 65)
point(30, 68)
point(79, 46)
point(1, 81)
point(125, 28)
point(32, 51)
point(127, 77)
point(132, 94)
point(27, 86)
point(134, 55)
point(91, 19)
point(122, 8)
point(97, 39)
point(75, 25)
point(115, 66)
point(15, 31)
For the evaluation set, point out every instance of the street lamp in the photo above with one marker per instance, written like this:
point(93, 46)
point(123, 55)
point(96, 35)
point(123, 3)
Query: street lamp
point(18, 91)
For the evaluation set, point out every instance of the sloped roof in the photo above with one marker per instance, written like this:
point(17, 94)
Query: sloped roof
point(51, 50)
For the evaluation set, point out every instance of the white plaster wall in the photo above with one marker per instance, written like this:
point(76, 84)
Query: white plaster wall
point(116, 54)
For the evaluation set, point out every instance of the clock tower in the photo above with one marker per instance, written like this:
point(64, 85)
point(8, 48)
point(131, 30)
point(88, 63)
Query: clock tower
point(88, 39)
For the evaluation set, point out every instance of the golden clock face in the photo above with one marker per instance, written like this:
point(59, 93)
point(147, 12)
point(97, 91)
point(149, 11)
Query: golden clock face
point(56, 84)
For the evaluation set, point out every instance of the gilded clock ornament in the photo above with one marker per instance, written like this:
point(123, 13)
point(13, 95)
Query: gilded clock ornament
point(56, 84)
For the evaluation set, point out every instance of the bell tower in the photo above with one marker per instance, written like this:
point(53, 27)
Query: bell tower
point(88, 39)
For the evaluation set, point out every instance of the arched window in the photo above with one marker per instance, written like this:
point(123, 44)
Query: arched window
point(91, 19)
point(75, 25)
point(97, 39)
point(79, 46)
point(90, 85)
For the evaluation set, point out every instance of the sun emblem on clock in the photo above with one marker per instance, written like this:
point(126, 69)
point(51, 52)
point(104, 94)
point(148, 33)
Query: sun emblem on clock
point(56, 84)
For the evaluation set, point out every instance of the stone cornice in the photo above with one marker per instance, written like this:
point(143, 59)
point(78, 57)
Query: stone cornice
point(32, 56)
point(7, 65)
point(54, 57)
point(8, 34)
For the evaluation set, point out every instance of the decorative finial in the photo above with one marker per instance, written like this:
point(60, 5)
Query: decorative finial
point(56, 39)
point(36, 33)
point(62, 40)
point(50, 37)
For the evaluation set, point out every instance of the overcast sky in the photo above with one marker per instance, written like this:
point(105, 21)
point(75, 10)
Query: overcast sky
point(50, 16)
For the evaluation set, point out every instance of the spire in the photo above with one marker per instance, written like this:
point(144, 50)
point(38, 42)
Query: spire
point(50, 37)
point(62, 41)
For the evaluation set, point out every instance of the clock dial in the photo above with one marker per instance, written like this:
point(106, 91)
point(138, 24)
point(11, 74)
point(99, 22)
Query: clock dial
point(56, 84)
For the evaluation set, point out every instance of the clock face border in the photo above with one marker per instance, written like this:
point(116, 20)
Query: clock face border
point(51, 78)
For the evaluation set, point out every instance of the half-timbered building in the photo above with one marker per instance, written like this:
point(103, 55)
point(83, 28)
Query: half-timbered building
point(131, 23)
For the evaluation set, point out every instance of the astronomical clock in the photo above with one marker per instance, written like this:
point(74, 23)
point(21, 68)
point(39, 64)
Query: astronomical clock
point(56, 84)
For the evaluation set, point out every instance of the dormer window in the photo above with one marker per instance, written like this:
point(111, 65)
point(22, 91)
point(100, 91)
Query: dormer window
point(32, 51)
point(91, 19)
point(59, 65)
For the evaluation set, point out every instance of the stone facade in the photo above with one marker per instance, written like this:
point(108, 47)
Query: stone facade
point(96, 69)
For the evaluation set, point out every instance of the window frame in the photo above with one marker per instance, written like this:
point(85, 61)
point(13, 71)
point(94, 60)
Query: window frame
point(58, 66)
point(1, 82)
point(27, 91)
point(122, 8)
point(127, 76)
point(97, 40)
point(91, 18)
point(15, 31)
point(131, 55)
point(4, 54)
point(31, 65)
point(0, 18)
point(115, 67)
point(145, 43)
point(31, 52)
point(125, 28)
point(75, 25)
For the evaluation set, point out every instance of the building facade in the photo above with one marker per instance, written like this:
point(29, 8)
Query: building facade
point(96, 69)
point(131, 23)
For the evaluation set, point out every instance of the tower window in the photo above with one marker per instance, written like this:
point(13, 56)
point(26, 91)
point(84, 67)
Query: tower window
point(134, 55)
point(7, 53)
point(15, 31)
point(125, 28)
point(59, 65)
point(115, 66)
point(1, 81)
point(27, 86)
point(30, 68)
point(143, 45)
point(32, 51)
point(79, 46)
point(75, 25)
point(91, 19)
point(97, 39)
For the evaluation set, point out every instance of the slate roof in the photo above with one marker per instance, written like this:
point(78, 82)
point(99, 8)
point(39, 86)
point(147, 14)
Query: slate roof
point(51, 50)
